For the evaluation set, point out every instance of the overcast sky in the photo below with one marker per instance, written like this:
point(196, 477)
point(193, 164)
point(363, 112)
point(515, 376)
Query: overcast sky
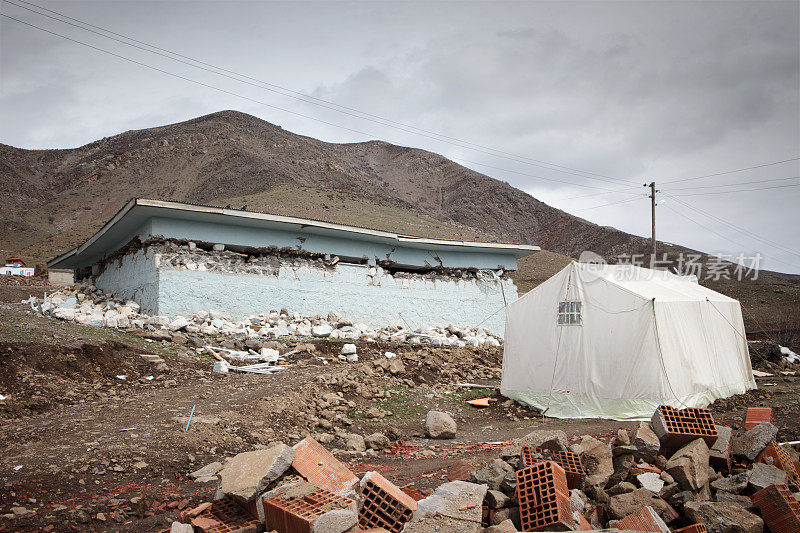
point(623, 92)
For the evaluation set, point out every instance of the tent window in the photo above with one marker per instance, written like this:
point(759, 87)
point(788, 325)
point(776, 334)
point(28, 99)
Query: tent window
point(569, 314)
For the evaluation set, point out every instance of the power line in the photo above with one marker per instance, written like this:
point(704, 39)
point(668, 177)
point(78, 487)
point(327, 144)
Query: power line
point(733, 184)
point(731, 171)
point(734, 226)
point(638, 196)
point(739, 190)
point(349, 111)
point(467, 162)
point(684, 215)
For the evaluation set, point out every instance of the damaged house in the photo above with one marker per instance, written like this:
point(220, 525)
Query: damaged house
point(177, 259)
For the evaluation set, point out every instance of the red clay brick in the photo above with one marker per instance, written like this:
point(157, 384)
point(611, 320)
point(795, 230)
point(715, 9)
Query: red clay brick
point(779, 508)
point(757, 415)
point(645, 519)
point(298, 515)
point(230, 517)
point(676, 427)
point(781, 459)
point(694, 528)
point(385, 505)
point(321, 468)
point(543, 496)
point(569, 461)
point(460, 470)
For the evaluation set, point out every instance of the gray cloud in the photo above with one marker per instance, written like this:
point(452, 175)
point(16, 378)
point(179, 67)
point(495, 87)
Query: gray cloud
point(630, 90)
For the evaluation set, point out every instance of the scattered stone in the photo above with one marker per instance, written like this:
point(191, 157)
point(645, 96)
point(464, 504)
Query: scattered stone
point(248, 474)
point(377, 441)
point(207, 471)
point(492, 474)
point(439, 425)
point(177, 527)
point(506, 526)
point(651, 481)
point(763, 475)
point(348, 349)
point(754, 441)
point(597, 460)
point(733, 484)
point(646, 442)
point(723, 517)
point(454, 507)
point(689, 465)
point(355, 442)
point(496, 499)
point(335, 521)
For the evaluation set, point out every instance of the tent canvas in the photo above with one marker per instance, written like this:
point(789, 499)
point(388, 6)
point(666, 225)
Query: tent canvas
point(617, 341)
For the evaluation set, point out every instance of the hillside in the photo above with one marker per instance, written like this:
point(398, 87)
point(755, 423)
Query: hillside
point(55, 199)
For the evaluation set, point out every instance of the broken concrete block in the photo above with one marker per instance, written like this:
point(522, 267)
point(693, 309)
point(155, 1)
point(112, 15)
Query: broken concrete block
point(439, 425)
point(733, 484)
point(689, 465)
point(720, 451)
point(177, 527)
point(491, 474)
point(650, 481)
point(178, 323)
point(349, 349)
point(763, 475)
point(496, 499)
point(597, 460)
point(335, 521)
point(724, 517)
point(321, 330)
point(207, 471)
point(249, 474)
point(545, 439)
point(646, 442)
point(622, 505)
point(506, 526)
point(754, 441)
point(454, 506)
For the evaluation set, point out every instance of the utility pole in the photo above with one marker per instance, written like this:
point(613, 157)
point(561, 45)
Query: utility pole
point(653, 192)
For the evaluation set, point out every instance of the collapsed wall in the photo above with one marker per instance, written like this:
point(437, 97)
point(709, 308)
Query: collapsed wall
point(169, 277)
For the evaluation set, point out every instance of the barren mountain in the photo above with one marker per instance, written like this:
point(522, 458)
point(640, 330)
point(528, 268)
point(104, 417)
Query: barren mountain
point(55, 199)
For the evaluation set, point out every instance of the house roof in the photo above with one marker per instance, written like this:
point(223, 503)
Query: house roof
point(129, 221)
point(651, 283)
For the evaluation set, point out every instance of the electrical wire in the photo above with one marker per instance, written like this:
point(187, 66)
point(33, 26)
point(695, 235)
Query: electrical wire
point(683, 215)
point(664, 182)
point(734, 226)
point(733, 184)
point(349, 111)
point(626, 200)
point(739, 190)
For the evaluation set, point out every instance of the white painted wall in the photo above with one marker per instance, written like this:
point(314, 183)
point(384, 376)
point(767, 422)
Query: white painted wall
point(362, 293)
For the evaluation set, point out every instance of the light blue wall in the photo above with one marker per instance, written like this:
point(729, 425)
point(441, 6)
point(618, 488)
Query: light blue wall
point(349, 290)
point(133, 277)
point(353, 246)
point(362, 293)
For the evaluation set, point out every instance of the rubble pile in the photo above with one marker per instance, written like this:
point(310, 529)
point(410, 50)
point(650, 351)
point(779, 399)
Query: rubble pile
point(680, 472)
point(86, 304)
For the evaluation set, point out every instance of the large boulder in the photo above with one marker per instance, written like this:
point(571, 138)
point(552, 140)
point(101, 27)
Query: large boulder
point(439, 425)
point(754, 441)
point(723, 517)
point(249, 474)
point(689, 465)
point(597, 460)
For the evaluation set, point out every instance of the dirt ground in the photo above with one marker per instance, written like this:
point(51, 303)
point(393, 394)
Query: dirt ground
point(85, 450)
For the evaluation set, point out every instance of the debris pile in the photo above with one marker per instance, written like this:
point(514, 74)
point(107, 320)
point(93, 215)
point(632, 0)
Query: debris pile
point(86, 304)
point(679, 471)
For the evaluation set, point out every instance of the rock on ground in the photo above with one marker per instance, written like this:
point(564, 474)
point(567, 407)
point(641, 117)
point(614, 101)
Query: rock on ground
point(597, 460)
point(335, 521)
point(453, 507)
point(646, 442)
point(724, 517)
point(689, 465)
point(763, 475)
point(439, 425)
point(754, 441)
point(506, 526)
point(248, 474)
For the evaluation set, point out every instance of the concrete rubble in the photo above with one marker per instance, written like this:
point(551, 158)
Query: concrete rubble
point(86, 304)
point(524, 489)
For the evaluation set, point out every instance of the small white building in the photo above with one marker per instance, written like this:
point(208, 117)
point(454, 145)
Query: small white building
point(16, 267)
point(617, 341)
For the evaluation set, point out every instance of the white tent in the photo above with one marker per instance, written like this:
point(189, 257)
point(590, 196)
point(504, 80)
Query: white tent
point(616, 341)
